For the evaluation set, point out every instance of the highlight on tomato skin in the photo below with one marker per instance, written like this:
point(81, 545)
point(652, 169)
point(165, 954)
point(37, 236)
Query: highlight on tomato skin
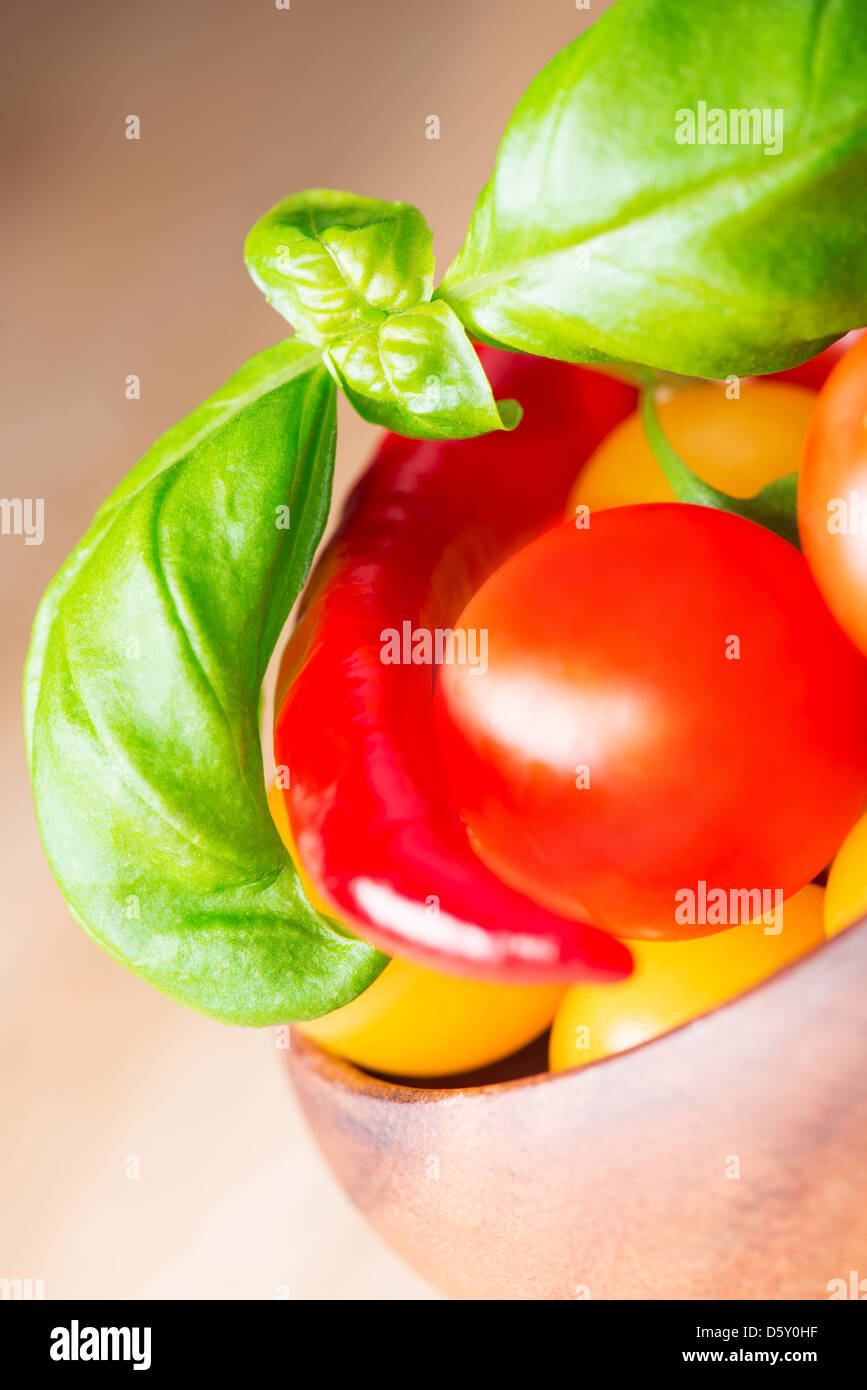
point(675, 982)
point(832, 493)
point(667, 704)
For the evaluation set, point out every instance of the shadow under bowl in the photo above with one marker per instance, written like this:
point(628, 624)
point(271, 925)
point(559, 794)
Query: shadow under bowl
point(727, 1159)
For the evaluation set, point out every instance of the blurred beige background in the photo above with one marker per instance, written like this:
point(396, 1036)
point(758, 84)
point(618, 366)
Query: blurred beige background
point(123, 257)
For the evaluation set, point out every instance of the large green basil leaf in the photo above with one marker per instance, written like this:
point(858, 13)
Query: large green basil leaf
point(141, 697)
point(334, 262)
point(604, 232)
point(418, 374)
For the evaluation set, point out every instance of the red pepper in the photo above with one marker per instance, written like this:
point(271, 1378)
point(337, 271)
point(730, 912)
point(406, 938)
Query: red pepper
point(371, 818)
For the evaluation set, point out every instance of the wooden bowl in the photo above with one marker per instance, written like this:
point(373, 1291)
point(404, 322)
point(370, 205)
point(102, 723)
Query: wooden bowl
point(727, 1159)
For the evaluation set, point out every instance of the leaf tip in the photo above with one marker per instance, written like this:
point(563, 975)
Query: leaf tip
point(510, 412)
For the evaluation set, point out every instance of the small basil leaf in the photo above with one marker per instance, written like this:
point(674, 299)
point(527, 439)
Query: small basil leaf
point(683, 186)
point(332, 262)
point(419, 375)
point(141, 698)
point(774, 507)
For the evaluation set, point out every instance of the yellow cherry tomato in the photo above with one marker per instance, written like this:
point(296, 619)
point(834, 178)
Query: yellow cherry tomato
point(846, 894)
point(416, 1022)
point(280, 816)
point(737, 445)
point(675, 981)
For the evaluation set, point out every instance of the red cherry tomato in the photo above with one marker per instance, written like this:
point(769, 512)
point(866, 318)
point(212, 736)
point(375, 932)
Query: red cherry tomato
point(667, 704)
point(832, 493)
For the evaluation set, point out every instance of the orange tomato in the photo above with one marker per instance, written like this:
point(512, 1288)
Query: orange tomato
point(832, 496)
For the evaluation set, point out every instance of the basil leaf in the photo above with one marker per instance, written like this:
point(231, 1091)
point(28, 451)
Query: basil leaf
point(604, 233)
point(356, 276)
point(333, 262)
point(141, 695)
point(418, 374)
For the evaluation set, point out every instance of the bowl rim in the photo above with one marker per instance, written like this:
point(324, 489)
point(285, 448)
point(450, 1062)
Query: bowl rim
point(336, 1070)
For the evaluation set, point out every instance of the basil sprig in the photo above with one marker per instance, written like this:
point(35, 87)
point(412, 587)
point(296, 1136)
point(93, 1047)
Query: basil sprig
point(141, 700)
point(332, 263)
point(684, 186)
point(355, 276)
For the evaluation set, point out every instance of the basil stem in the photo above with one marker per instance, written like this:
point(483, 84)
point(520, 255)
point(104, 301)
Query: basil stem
point(775, 507)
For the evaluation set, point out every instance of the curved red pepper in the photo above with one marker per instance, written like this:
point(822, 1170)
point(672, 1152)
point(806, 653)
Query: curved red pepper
point(427, 523)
